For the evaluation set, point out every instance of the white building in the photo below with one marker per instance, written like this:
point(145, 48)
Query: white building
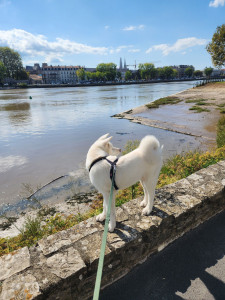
point(59, 74)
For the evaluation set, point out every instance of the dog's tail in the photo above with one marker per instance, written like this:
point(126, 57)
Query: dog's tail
point(151, 149)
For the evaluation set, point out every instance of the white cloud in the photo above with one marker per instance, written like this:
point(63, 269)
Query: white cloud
point(216, 3)
point(119, 49)
point(8, 162)
point(133, 28)
point(134, 50)
point(106, 27)
point(178, 46)
point(32, 45)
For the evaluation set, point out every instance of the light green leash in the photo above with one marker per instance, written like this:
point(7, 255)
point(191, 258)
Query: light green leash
point(104, 238)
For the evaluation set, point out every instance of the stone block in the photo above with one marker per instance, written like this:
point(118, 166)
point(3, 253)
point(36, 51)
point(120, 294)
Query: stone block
point(89, 247)
point(14, 262)
point(54, 242)
point(20, 287)
point(66, 263)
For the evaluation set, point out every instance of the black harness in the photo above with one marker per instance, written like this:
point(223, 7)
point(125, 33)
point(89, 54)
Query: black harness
point(112, 168)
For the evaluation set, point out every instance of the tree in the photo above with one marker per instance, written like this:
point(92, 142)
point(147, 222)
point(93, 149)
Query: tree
point(147, 71)
point(198, 73)
point(217, 47)
point(208, 71)
point(11, 60)
point(168, 71)
point(22, 75)
point(161, 73)
point(189, 72)
point(128, 75)
point(175, 73)
point(2, 72)
point(109, 70)
point(119, 75)
point(80, 74)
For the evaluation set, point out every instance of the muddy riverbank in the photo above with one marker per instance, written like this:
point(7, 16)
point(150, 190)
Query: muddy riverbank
point(196, 113)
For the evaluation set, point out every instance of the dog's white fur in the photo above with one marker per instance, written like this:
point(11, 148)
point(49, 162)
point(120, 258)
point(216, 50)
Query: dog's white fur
point(143, 164)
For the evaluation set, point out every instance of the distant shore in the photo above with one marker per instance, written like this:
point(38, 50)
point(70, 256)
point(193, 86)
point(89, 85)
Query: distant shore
point(96, 84)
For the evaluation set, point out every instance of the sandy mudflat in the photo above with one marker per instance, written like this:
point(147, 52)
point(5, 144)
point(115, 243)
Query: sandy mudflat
point(179, 118)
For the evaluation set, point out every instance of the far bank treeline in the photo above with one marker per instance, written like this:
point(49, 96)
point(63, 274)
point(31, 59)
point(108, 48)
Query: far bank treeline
point(11, 65)
point(146, 71)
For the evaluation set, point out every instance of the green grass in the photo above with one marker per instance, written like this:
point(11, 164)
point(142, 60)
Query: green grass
point(176, 168)
point(222, 110)
point(163, 101)
point(220, 139)
point(198, 109)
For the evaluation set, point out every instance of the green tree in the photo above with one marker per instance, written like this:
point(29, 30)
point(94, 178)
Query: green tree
point(11, 60)
point(80, 74)
point(168, 72)
point(147, 71)
point(128, 75)
point(208, 71)
point(22, 75)
point(198, 73)
point(119, 75)
point(2, 72)
point(175, 73)
point(217, 47)
point(161, 73)
point(109, 70)
point(189, 72)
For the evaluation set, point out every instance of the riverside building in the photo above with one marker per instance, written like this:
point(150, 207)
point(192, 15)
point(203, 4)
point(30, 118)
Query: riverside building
point(59, 74)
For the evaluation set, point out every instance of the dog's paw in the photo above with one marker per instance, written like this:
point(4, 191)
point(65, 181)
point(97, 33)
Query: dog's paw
point(112, 226)
point(100, 217)
point(146, 211)
point(143, 203)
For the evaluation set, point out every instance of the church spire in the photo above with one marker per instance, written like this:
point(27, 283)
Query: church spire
point(121, 66)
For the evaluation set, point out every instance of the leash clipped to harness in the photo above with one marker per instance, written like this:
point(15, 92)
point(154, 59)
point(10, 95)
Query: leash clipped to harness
point(104, 238)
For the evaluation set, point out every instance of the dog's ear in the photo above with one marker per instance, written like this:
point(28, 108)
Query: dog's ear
point(107, 140)
point(103, 137)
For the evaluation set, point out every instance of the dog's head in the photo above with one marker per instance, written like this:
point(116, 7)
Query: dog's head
point(104, 144)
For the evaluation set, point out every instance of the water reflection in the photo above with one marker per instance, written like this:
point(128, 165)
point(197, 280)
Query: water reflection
point(18, 113)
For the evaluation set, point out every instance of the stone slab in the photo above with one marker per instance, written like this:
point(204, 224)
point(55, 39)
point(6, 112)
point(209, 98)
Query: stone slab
point(14, 262)
point(18, 287)
point(65, 263)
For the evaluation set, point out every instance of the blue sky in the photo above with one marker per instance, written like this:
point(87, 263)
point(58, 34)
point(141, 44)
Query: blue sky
point(89, 32)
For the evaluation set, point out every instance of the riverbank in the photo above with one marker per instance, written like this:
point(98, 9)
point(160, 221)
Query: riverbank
point(196, 112)
point(98, 84)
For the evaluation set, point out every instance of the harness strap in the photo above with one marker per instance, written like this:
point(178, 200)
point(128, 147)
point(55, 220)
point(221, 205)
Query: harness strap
point(95, 161)
point(112, 169)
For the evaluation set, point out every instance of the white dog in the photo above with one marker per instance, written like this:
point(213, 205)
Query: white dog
point(143, 164)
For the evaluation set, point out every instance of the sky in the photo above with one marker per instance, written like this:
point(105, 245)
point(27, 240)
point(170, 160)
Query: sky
point(89, 32)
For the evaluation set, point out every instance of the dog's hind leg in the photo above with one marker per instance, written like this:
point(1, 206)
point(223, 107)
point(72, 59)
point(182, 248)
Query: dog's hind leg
point(150, 186)
point(145, 201)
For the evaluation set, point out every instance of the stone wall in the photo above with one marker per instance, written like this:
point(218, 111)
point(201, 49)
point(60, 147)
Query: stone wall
point(63, 265)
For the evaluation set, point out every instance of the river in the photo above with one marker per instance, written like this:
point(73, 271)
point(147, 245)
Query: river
point(49, 135)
